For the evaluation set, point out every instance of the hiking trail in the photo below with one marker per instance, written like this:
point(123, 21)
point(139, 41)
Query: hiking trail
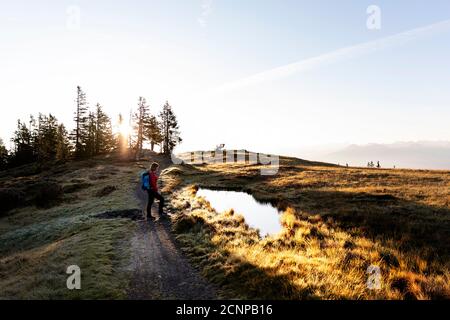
point(160, 270)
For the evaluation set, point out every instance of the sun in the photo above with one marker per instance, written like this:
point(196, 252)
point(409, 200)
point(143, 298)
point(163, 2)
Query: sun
point(124, 129)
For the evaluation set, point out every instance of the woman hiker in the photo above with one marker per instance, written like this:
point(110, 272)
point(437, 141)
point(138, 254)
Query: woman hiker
point(150, 184)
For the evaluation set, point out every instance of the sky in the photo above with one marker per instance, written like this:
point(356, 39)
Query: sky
point(279, 77)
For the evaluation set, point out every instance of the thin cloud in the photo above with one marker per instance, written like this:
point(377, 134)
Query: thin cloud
point(338, 55)
point(206, 11)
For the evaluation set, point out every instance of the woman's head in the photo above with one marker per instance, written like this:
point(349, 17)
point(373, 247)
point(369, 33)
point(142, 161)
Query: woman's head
point(154, 166)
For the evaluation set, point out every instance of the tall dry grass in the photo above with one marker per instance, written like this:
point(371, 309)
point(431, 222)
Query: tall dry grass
point(336, 223)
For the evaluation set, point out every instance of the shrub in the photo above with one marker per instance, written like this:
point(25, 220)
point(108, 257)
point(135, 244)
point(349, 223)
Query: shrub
point(349, 244)
point(389, 258)
point(47, 193)
point(185, 223)
point(106, 191)
point(10, 198)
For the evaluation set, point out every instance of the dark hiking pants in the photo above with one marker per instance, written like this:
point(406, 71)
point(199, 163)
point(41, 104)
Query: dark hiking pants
point(152, 195)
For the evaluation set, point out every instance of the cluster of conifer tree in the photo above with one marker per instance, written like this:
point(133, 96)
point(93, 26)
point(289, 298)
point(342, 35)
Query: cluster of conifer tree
point(162, 130)
point(44, 138)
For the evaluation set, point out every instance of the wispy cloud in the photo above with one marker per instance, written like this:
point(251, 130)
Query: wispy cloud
point(338, 55)
point(206, 11)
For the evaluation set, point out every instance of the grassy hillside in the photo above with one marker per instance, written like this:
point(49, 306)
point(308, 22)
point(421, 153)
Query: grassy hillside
point(337, 222)
point(54, 224)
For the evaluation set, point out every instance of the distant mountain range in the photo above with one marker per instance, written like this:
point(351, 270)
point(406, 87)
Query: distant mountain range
point(414, 155)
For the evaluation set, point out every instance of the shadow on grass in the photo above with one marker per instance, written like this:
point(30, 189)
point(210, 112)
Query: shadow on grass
point(237, 278)
point(413, 226)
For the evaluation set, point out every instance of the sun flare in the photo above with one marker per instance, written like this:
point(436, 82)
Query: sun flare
point(125, 129)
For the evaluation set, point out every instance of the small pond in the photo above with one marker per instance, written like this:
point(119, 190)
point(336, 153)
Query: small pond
point(262, 216)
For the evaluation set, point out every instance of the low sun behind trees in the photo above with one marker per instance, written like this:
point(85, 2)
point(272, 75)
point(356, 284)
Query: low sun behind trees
point(45, 139)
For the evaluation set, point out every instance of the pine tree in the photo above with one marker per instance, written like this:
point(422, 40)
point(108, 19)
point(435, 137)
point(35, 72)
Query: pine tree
point(23, 148)
point(170, 129)
point(63, 144)
point(141, 120)
point(90, 133)
point(33, 128)
point(81, 121)
point(47, 138)
point(3, 155)
point(103, 131)
point(153, 132)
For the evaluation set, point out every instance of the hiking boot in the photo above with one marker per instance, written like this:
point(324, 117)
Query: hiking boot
point(163, 215)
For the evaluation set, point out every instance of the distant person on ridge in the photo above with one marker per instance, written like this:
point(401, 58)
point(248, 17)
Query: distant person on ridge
point(150, 184)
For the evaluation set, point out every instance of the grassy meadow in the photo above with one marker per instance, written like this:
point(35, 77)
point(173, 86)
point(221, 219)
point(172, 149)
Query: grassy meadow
point(337, 222)
point(56, 226)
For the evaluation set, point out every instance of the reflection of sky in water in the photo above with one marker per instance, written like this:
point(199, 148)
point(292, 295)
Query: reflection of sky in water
point(257, 215)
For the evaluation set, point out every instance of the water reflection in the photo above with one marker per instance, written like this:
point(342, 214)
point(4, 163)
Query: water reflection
point(257, 215)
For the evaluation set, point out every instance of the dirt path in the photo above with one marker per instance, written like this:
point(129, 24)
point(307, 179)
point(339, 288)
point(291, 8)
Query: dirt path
point(160, 271)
